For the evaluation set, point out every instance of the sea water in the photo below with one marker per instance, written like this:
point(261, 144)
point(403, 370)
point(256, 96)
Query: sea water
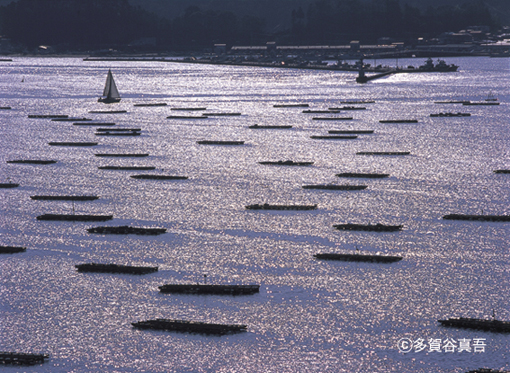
point(310, 315)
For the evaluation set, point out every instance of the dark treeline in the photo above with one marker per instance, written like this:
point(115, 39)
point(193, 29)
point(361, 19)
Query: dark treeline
point(98, 24)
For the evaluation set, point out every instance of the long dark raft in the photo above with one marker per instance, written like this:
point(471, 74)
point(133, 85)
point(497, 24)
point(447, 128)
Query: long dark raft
point(266, 206)
point(359, 257)
point(118, 129)
point(119, 133)
point(368, 227)
point(477, 217)
point(8, 185)
point(33, 161)
point(340, 132)
point(115, 268)
point(334, 137)
point(209, 289)
point(399, 121)
point(71, 119)
point(185, 326)
point(74, 217)
point(383, 153)
point(64, 198)
point(332, 118)
point(126, 168)
point(291, 105)
point(335, 187)
point(362, 175)
point(286, 163)
point(154, 104)
point(127, 230)
point(501, 171)
point(159, 177)
point(186, 117)
point(12, 249)
point(108, 111)
point(210, 142)
point(450, 115)
point(256, 126)
point(480, 324)
point(72, 143)
point(94, 124)
point(127, 155)
point(48, 116)
point(17, 358)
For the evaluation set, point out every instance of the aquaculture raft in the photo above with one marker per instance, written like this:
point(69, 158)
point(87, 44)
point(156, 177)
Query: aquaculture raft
point(335, 187)
point(291, 105)
point(12, 249)
point(399, 121)
point(47, 116)
point(127, 230)
point(8, 185)
point(159, 177)
point(185, 326)
point(286, 163)
point(332, 118)
point(155, 104)
point(72, 143)
point(74, 217)
point(501, 171)
point(359, 257)
point(339, 132)
point(33, 161)
point(64, 198)
point(480, 324)
point(451, 115)
point(115, 268)
point(477, 217)
point(362, 175)
point(209, 142)
point(122, 155)
point(266, 206)
point(368, 227)
point(131, 168)
point(256, 126)
point(210, 289)
point(17, 358)
point(383, 153)
point(334, 137)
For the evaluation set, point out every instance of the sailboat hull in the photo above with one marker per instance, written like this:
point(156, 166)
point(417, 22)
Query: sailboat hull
point(108, 100)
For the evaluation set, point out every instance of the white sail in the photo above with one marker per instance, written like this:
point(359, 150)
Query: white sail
point(109, 79)
point(110, 93)
point(114, 92)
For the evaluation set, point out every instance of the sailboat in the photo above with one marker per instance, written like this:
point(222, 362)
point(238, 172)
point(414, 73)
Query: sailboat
point(110, 93)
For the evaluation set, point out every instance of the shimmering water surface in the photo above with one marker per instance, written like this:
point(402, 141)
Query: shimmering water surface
point(310, 315)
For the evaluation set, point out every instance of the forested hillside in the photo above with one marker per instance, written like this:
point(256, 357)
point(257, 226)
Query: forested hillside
point(197, 24)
